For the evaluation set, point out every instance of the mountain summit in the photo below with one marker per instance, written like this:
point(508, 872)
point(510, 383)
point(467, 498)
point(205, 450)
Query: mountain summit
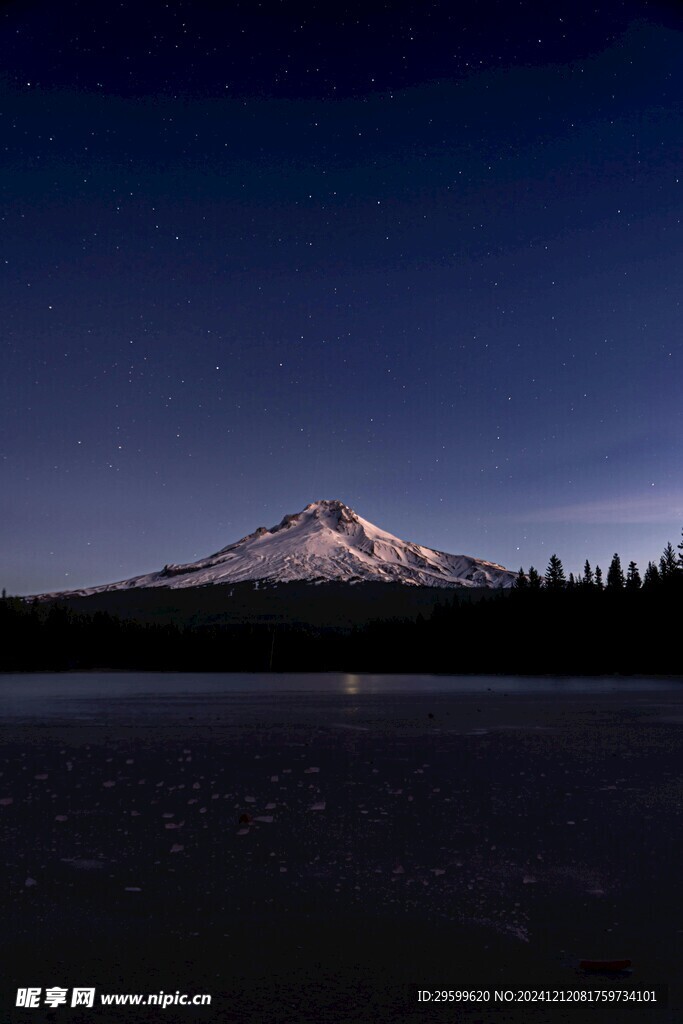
point(326, 542)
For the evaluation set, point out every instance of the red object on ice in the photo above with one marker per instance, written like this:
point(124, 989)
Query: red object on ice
point(604, 965)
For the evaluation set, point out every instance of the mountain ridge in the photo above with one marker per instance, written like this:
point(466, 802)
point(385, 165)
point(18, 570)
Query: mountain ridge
point(327, 541)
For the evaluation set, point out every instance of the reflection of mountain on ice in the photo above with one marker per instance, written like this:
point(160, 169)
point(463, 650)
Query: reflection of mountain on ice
point(326, 542)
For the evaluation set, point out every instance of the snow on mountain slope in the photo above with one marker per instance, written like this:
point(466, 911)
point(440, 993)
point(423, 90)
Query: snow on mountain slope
point(325, 542)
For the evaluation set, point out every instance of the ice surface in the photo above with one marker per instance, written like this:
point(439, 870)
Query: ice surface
point(467, 855)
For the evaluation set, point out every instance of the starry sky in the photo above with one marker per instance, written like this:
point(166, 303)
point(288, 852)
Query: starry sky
point(424, 258)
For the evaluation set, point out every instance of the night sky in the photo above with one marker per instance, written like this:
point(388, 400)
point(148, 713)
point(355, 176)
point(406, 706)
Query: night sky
point(424, 258)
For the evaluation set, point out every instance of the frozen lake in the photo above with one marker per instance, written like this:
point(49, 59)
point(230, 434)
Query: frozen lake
point(306, 847)
point(82, 693)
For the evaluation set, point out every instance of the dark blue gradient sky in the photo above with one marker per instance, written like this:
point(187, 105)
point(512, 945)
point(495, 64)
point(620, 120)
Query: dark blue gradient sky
point(426, 261)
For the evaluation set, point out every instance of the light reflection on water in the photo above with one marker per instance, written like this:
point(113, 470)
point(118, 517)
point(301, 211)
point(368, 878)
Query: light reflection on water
point(352, 683)
point(57, 693)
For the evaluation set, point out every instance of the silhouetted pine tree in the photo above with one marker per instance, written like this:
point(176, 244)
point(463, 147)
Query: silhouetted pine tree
point(521, 583)
point(554, 574)
point(615, 574)
point(668, 563)
point(535, 581)
point(598, 577)
point(588, 578)
point(633, 580)
point(651, 578)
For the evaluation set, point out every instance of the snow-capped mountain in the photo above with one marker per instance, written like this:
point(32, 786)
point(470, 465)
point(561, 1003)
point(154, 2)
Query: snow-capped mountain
point(326, 542)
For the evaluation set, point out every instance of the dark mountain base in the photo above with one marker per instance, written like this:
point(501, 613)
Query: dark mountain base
point(324, 604)
point(577, 632)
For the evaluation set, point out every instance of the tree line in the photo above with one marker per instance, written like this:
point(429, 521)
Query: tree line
point(666, 571)
point(549, 625)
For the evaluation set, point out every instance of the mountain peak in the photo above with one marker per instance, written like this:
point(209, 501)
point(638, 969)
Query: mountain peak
point(330, 512)
point(327, 503)
point(331, 508)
